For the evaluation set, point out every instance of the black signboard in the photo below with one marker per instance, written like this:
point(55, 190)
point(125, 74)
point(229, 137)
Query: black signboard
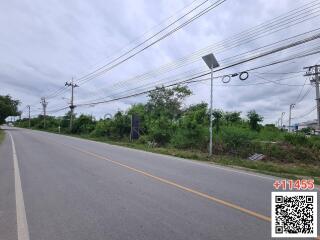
point(135, 126)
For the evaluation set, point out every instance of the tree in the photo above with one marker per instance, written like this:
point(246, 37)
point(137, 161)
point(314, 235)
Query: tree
point(254, 119)
point(8, 107)
point(120, 125)
point(217, 116)
point(232, 117)
point(84, 124)
point(192, 131)
point(163, 109)
point(167, 101)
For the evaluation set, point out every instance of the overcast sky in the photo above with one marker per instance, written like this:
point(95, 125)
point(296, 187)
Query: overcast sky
point(43, 44)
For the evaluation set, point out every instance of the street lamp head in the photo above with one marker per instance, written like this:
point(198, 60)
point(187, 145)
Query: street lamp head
point(211, 61)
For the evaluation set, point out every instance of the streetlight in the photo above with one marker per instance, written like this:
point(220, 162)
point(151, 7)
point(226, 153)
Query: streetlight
point(212, 63)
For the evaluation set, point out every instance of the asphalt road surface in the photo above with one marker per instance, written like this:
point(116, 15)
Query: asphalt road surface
point(76, 189)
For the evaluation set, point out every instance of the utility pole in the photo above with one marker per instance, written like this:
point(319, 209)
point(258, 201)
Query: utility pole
point(290, 108)
point(29, 115)
point(282, 114)
point(44, 106)
point(72, 106)
point(314, 71)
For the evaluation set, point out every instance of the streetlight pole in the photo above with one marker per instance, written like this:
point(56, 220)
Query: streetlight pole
point(29, 115)
point(211, 103)
point(211, 62)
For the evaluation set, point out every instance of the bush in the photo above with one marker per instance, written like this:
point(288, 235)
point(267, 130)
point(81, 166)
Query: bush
point(237, 140)
point(270, 133)
point(160, 130)
point(192, 137)
point(191, 132)
point(84, 124)
point(296, 139)
point(100, 129)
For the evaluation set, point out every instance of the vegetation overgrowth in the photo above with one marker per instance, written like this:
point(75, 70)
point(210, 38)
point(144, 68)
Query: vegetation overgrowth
point(165, 123)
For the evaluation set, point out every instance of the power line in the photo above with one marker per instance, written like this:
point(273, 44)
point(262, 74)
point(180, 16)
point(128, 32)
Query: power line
point(222, 61)
point(306, 113)
point(306, 94)
point(262, 27)
point(255, 68)
point(159, 71)
point(293, 18)
point(199, 14)
point(207, 9)
point(150, 29)
point(262, 30)
point(193, 78)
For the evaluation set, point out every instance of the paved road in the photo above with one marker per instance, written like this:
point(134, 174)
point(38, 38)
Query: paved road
point(77, 189)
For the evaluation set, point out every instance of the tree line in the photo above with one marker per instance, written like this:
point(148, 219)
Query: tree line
point(163, 120)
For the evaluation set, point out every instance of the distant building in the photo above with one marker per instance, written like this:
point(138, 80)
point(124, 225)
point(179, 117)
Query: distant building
point(308, 124)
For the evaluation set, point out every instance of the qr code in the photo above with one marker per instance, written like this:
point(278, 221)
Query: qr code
point(294, 214)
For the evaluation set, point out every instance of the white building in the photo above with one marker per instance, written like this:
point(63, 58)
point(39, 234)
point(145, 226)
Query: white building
point(311, 124)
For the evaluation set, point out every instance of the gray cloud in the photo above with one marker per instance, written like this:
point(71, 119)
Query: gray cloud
point(45, 43)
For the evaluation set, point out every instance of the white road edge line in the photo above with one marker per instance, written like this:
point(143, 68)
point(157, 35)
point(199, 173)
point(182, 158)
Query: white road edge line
point(22, 225)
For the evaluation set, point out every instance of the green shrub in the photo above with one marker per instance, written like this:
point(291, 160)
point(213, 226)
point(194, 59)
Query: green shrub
point(190, 131)
point(277, 152)
point(195, 137)
point(160, 130)
point(237, 140)
point(100, 129)
point(296, 139)
point(304, 154)
point(270, 133)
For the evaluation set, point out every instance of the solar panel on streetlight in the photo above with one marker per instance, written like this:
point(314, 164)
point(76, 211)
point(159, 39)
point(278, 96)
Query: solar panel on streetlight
point(211, 61)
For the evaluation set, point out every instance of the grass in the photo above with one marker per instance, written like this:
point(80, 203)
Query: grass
point(278, 169)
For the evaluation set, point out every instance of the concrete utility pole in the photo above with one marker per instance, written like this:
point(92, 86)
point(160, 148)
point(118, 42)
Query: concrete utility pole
point(212, 63)
point(314, 71)
point(44, 106)
point(282, 114)
point(291, 107)
point(29, 115)
point(72, 106)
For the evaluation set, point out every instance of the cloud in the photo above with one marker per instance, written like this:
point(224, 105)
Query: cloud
point(46, 43)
